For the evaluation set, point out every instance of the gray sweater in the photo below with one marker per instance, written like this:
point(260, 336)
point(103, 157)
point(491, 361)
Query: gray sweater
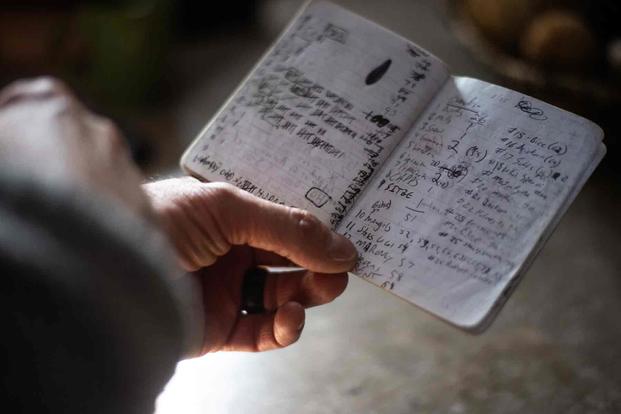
point(91, 321)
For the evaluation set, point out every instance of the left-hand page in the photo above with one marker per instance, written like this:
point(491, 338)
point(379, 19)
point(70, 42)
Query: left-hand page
point(319, 113)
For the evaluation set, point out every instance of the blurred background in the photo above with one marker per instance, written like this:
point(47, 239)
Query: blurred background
point(162, 68)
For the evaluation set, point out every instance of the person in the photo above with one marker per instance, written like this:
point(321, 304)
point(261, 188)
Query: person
point(108, 282)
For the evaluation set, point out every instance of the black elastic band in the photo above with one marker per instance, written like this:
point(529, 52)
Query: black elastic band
point(252, 291)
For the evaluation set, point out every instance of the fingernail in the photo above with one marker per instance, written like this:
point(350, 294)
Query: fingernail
point(341, 249)
point(301, 325)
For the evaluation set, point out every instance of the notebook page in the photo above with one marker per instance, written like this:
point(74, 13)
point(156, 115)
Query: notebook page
point(319, 114)
point(461, 203)
point(598, 156)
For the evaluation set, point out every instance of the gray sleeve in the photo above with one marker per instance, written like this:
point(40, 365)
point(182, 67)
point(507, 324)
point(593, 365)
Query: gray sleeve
point(90, 320)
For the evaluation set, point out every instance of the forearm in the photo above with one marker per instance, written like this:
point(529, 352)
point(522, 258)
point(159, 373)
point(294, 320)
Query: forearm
point(88, 304)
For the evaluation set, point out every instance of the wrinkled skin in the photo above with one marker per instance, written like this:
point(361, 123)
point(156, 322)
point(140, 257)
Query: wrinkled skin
point(218, 231)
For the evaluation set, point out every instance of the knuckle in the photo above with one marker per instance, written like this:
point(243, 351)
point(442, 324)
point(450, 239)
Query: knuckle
point(212, 205)
point(44, 87)
point(41, 88)
point(224, 207)
point(303, 218)
point(224, 195)
point(307, 225)
point(60, 106)
point(109, 137)
point(108, 126)
point(181, 205)
point(50, 85)
point(112, 134)
point(188, 263)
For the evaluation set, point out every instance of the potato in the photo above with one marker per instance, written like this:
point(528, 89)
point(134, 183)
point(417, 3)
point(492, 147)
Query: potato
point(503, 21)
point(559, 39)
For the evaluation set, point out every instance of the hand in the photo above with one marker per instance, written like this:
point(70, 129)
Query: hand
point(220, 232)
point(45, 130)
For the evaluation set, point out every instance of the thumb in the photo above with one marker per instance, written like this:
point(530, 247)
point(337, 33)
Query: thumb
point(290, 232)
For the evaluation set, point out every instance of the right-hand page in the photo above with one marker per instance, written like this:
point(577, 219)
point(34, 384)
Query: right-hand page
point(463, 203)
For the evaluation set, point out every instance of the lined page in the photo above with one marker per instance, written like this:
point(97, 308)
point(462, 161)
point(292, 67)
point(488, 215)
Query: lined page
point(467, 196)
point(319, 114)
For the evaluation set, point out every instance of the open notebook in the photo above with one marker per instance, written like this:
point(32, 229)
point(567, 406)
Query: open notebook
point(448, 186)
